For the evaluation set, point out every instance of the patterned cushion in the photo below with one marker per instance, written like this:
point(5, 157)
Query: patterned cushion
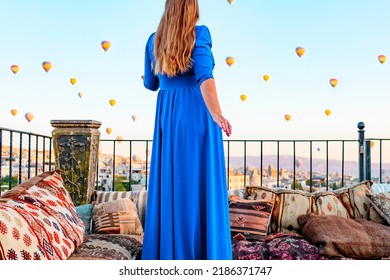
point(343, 195)
point(289, 204)
point(359, 201)
point(328, 203)
point(117, 217)
point(85, 214)
point(254, 193)
point(249, 219)
point(103, 196)
point(138, 197)
point(16, 191)
point(282, 246)
point(381, 203)
point(109, 247)
point(40, 222)
point(353, 238)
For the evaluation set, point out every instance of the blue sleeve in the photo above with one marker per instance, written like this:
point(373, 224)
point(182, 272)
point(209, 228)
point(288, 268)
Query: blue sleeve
point(150, 79)
point(203, 60)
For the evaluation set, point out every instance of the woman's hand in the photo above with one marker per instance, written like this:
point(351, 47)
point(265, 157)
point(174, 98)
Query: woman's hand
point(223, 123)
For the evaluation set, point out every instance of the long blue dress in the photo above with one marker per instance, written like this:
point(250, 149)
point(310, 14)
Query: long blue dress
point(187, 215)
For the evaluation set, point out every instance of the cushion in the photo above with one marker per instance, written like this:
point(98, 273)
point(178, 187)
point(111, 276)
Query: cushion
point(138, 197)
point(85, 214)
point(289, 204)
point(254, 193)
point(117, 217)
point(359, 201)
point(343, 196)
point(353, 238)
point(328, 203)
point(381, 203)
point(249, 219)
point(39, 221)
point(17, 190)
point(109, 247)
point(281, 246)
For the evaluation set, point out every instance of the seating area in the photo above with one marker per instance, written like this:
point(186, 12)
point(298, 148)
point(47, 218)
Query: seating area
point(40, 221)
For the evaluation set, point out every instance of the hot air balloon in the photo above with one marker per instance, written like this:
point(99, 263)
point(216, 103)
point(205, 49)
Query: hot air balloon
point(108, 130)
point(372, 143)
point(266, 77)
point(243, 97)
point(328, 112)
point(46, 65)
point(14, 69)
point(333, 82)
point(300, 51)
point(134, 117)
point(382, 58)
point(298, 162)
point(287, 117)
point(29, 116)
point(318, 149)
point(119, 139)
point(106, 45)
point(142, 77)
point(230, 60)
point(230, 1)
point(112, 102)
point(14, 112)
point(73, 81)
point(81, 94)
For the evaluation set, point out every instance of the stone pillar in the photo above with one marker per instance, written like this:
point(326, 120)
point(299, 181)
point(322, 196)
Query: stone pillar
point(76, 146)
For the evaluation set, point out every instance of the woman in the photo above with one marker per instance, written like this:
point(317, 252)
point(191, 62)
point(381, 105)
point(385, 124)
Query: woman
point(187, 215)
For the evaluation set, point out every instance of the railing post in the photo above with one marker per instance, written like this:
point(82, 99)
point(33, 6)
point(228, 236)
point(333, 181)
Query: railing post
point(361, 126)
point(76, 146)
point(368, 160)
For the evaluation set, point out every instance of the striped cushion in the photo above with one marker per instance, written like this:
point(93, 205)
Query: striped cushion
point(117, 217)
point(249, 219)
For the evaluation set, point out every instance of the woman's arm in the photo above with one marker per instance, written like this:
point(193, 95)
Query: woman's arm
point(150, 79)
point(210, 97)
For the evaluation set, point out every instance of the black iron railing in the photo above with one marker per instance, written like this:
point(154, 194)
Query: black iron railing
point(24, 154)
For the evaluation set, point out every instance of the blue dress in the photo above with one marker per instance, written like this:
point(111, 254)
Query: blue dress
point(187, 215)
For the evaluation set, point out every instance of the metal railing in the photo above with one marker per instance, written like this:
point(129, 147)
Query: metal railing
point(28, 154)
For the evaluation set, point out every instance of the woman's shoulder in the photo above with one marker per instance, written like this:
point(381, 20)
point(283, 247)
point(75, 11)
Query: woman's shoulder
point(202, 35)
point(202, 30)
point(151, 38)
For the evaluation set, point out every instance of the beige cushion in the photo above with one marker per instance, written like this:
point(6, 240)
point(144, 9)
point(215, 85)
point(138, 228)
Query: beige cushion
point(117, 217)
point(328, 203)
point(359, 201)
point(289, 204)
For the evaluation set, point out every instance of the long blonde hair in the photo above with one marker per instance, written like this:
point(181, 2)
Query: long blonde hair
point(175, 37)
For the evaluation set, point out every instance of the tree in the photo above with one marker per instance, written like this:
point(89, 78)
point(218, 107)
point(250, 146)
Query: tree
point(6, 181)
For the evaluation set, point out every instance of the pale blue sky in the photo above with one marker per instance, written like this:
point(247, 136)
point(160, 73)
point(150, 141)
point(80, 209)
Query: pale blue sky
point(342, 38)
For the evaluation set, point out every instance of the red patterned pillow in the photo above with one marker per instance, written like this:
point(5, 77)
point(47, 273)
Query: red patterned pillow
point(40, 223)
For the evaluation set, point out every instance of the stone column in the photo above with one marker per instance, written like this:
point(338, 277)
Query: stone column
point(76, 146)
